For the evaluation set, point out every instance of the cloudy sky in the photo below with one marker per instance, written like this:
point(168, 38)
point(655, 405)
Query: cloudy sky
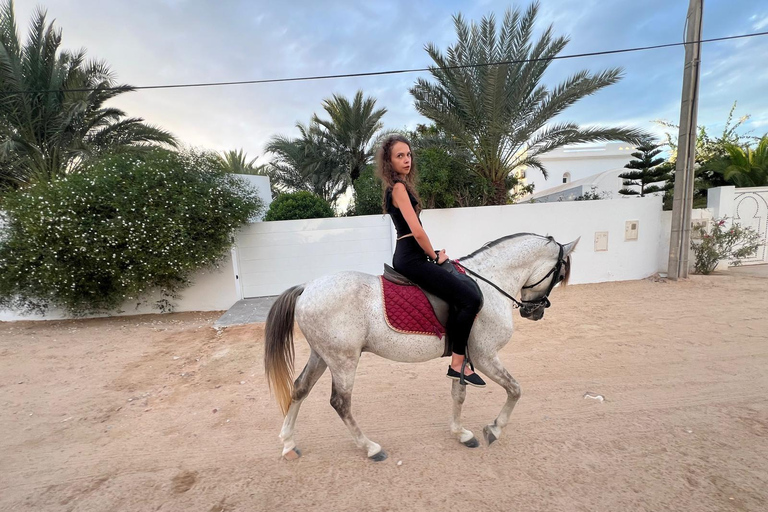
point(153, 42)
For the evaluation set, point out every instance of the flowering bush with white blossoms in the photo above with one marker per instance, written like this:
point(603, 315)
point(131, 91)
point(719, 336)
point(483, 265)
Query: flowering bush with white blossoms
point(128, 225)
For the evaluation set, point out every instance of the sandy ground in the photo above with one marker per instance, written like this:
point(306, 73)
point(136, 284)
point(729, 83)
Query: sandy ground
point(165, 413)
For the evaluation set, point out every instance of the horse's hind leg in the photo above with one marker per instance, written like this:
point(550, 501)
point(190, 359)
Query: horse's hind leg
point(466, 437)
point(341, 400)
point(495, 371)
point(312, 372)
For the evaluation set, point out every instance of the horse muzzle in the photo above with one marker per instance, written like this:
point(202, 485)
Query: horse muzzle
point(533, 313)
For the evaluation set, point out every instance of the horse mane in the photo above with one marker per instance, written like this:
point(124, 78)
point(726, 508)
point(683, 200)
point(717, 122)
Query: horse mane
point(492, 243)
point(567, 276)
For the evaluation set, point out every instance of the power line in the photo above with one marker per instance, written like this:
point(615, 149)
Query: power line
point(400, 71)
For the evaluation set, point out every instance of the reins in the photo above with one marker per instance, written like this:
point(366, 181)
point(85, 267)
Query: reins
point(528, 305)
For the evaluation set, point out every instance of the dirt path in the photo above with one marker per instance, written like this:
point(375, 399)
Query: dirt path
point(165, 413)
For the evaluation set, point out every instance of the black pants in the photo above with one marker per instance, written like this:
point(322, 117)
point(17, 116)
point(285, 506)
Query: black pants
point(465, 302)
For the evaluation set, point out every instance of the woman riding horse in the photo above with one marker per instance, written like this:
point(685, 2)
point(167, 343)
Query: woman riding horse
point(521, 265)
point(415, 256)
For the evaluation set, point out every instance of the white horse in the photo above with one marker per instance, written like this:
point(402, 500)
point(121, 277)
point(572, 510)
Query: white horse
point(342, 315)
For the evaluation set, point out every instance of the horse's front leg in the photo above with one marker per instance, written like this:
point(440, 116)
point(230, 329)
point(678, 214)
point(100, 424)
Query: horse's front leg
point(343, 373)
point(466, 437)
point(495, 371)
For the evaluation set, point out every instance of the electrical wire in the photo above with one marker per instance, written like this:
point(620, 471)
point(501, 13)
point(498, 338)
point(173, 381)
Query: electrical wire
point(397, 71)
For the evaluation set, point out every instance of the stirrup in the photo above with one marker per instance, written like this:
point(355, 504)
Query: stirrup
point(472, 380)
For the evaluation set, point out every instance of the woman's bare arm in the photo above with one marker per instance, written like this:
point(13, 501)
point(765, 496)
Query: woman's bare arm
point(401, 201)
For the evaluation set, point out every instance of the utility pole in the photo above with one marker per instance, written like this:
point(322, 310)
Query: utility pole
point(680, 237)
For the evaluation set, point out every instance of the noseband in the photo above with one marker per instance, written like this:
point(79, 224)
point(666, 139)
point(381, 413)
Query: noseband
point(529, 306)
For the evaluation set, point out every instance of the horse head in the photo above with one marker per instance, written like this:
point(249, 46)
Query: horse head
point(553, 267)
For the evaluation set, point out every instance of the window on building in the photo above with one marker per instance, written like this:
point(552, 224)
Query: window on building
point(566, 177)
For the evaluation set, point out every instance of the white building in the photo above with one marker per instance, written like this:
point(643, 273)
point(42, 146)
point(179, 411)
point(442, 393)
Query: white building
point(605, 185)
point(573, 163)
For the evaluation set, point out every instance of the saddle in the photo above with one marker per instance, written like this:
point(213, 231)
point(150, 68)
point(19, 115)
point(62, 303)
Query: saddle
point(405, 309)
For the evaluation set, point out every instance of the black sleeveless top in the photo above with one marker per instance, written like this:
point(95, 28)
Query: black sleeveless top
point(401, 226)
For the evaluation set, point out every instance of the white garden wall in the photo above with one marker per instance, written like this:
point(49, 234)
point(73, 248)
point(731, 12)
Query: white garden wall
point(272, 256)
point(463, 230)
point(276, 255)
point(212, 290)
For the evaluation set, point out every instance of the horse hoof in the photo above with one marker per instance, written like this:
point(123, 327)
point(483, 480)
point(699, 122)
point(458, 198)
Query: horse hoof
point(294, 454)
point(378, 457)
point(490, 438)
point(472, 443)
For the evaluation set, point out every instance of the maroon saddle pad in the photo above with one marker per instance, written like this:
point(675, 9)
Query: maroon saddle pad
point(407, 310)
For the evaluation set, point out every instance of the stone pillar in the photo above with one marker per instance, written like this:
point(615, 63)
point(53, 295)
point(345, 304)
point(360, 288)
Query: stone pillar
point(720, 201)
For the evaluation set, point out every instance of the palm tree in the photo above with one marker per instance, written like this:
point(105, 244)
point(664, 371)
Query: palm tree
point(236, 162)
point(500, 112)
point(307, 163)
point(350, 129)
point(52, 114)
point(748, 167)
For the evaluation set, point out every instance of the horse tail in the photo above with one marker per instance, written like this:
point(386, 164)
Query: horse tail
point(278, 347)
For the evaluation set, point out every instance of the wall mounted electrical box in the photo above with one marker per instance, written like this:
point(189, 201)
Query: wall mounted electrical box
point(601, 241)
point(631, 228)
point(697, 224)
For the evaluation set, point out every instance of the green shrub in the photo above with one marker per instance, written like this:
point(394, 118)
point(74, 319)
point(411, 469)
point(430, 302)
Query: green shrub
point(447, 181)
point(720, 242)
point(367, 194)
point(125, 227)
point(298, 205)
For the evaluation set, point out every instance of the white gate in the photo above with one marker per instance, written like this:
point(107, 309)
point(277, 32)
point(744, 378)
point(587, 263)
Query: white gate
point(750, 209)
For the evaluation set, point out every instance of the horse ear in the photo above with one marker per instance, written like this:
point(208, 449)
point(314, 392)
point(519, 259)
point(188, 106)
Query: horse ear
point(568, 248)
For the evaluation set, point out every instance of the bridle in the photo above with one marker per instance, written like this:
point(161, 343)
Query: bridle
point(529, 306)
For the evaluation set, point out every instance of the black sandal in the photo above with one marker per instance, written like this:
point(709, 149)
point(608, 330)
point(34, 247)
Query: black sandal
point(473, 379)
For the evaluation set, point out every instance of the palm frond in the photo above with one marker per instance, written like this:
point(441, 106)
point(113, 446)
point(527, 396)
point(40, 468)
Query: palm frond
point(48, 127)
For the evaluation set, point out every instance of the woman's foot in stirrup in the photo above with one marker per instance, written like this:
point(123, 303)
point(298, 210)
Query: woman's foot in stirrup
point(472, 379)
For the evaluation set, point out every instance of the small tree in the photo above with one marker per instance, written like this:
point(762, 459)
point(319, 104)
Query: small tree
point(647, 170)
point(298, 205)
point(350, 129)
point(445, 168)
point(367, 194)
point(307, 163)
